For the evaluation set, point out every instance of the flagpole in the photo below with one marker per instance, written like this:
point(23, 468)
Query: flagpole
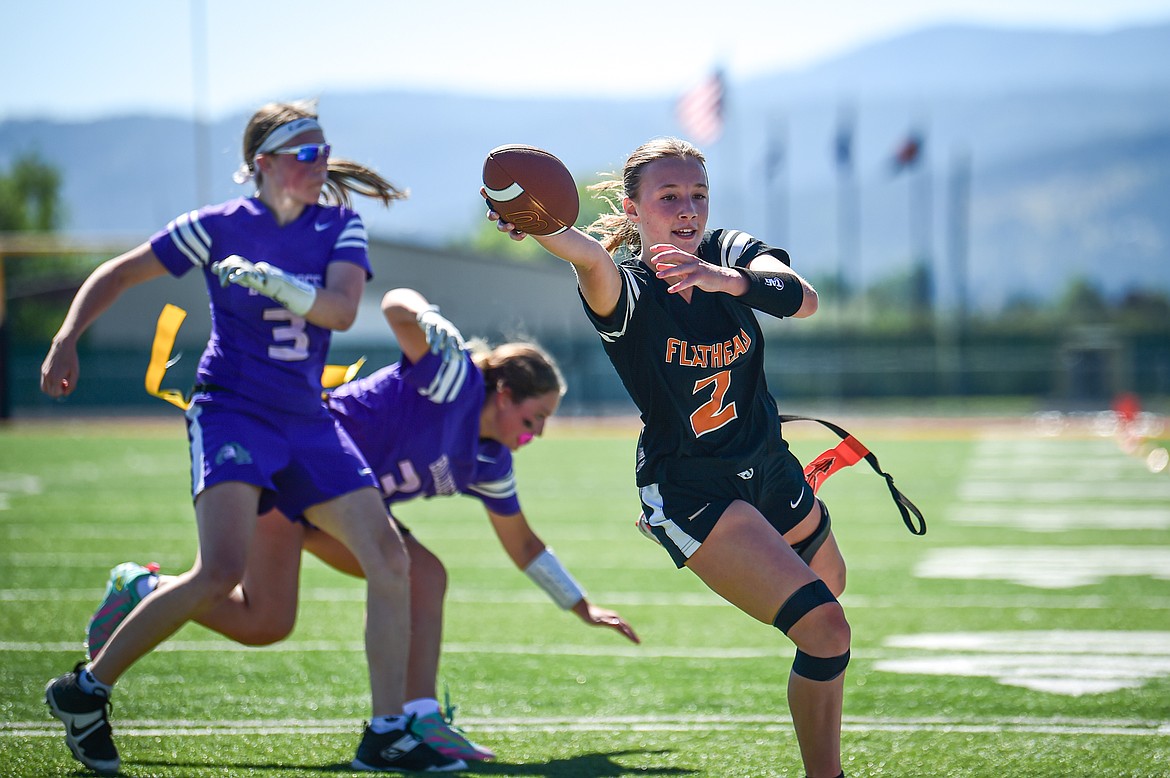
point(920, 228)
point(702, 113)
point(910, 157)
point(734, 183)
point(199, 91)
point(776, 183)
point(958, 232)
point(848, 208)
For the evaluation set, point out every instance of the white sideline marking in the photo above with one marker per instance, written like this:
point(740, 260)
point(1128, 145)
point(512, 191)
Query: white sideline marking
point(1099, 490)
point(1068, 662)
point(24, 483)
point(1040, 518)
point(1012, 467)
point(701, 723)
point(1046, 601)
point(1046, 567)
point(357, 646)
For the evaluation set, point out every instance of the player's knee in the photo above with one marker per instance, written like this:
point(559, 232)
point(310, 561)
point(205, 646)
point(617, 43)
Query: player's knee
point(427, 571)
point(823, 636)
point(390, 560)
point(214, 582)
point(830, 633)
point(823, 630)
point(267, 629)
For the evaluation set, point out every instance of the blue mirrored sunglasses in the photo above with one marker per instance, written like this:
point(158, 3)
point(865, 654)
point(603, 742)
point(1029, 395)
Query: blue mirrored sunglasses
point(307, 152)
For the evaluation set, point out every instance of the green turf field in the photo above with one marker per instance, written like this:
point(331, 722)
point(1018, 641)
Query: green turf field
point(1027, 634)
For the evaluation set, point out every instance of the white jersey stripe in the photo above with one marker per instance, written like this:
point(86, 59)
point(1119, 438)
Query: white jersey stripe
point(448, 381)
point(201, 231)
point(505, 487)
point(197, 453)
point(733, 245)
point(653, 498)
point(187, 240)
point(353, 235)
point(632, 293)
point(195, 238)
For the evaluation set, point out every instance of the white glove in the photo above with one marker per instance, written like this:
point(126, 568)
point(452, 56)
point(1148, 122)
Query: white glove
point(443, 337)
point(272, 282)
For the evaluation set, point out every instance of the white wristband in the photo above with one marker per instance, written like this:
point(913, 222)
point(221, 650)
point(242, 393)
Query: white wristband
point(549, 574)
point(286, 289)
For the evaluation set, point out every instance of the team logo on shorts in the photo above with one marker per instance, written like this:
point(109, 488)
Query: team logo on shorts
point(235, 453)
point(747, 474)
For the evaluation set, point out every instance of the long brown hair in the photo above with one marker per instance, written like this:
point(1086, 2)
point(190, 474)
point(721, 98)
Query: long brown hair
point(345, 176)
point(525, 369)
point(614, 229)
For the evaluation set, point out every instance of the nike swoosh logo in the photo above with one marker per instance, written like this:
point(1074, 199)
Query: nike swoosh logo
point(696, 513)
point(799, 497)
point(89, 724)
point(318, 226)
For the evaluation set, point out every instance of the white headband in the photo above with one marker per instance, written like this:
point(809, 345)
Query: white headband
point(286, 132)
point(274, 140)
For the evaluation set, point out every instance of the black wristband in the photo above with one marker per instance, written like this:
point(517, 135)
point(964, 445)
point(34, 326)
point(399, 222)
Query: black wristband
point(774, 292)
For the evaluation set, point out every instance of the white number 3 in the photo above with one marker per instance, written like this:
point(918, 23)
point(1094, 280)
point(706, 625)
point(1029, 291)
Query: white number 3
point(292, 332)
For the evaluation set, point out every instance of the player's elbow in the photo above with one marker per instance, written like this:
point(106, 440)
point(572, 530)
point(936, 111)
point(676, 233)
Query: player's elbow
point(344, 322)
point(809, 305)
point(338, 318)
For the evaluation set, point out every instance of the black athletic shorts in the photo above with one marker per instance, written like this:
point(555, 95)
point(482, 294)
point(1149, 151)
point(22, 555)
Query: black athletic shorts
point(681, 513)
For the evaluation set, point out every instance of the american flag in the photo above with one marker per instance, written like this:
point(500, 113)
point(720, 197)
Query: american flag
point(700, 110)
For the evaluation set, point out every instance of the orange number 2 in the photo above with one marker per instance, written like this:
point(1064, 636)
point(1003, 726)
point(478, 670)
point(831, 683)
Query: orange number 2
point(713, 414)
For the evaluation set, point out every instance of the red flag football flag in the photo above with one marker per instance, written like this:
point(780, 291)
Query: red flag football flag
point(700, 110)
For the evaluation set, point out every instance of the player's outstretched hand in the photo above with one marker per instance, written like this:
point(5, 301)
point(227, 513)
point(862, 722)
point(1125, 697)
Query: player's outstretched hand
point(603, 617)
point(443, 337)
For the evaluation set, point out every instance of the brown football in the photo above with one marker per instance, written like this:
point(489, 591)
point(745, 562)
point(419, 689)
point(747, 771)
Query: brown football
point(531, 189)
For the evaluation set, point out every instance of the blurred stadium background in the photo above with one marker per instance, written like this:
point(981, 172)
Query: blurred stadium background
point(982, 208)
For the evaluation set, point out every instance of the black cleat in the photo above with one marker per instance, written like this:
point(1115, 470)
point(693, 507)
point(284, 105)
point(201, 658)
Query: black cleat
point(401, 751)
point(87, 727)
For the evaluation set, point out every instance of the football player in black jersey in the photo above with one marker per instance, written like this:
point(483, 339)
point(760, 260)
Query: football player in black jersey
point(719, 488)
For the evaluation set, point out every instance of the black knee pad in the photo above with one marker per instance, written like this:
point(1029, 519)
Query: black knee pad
point(802, 601)
point(819, 668)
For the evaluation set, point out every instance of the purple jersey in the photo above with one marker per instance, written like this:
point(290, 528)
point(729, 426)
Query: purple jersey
point(417, 424)
point(258, 348)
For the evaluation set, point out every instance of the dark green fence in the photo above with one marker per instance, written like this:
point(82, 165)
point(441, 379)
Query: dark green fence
point(1080, 369)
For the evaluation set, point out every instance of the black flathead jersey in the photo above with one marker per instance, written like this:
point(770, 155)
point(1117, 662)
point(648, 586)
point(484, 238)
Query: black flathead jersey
point(695, 370)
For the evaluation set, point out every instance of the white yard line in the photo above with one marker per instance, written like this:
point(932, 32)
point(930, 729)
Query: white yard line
point(700, 723)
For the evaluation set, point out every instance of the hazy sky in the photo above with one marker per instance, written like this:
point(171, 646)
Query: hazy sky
point(75, 59)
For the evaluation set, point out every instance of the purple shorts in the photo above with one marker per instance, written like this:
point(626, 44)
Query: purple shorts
point(305, 460)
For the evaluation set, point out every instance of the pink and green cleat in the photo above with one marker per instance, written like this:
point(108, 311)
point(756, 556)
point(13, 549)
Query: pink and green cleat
point(129, 583)
point(438, 733)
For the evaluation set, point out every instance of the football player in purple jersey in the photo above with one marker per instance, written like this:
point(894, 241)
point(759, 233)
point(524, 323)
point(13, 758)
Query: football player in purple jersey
point(443, 420)
point(719, 488)
point(284, 268)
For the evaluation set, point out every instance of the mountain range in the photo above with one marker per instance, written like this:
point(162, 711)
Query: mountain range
point(1045, 158)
